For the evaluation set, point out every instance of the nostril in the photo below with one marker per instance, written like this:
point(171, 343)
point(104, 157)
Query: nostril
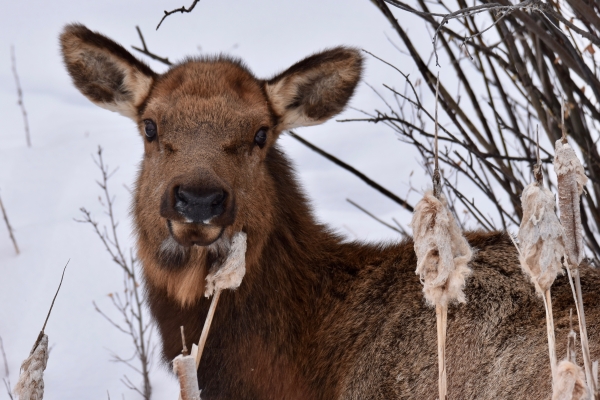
point(219, 199)
point(179, 196)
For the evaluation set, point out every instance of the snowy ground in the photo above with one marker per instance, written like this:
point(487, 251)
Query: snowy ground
point(43, 187)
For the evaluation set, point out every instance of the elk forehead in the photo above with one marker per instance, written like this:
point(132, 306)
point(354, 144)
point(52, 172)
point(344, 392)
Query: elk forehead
point(211, 92)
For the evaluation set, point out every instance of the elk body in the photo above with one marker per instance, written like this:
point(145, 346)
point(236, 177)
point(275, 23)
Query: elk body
point(316, 317)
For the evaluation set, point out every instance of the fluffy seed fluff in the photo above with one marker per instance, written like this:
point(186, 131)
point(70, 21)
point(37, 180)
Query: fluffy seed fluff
point(571, 181)
point(31, 382)
point(541, 237)
point(570, 383)
point(185, 369)
point(442, 251)
point(229, 275)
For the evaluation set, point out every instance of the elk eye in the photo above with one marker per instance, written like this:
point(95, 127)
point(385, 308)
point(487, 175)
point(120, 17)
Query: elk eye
point(261, 137)
point(150, 129)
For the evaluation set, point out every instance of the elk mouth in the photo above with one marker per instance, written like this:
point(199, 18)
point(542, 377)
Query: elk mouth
point(188, 234)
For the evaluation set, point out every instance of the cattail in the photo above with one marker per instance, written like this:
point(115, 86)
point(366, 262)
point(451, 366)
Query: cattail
point(30, 385)
point(442, 257)
point(31, 381)
point(185, 369)
point(541, 238)
point(184, 366)
point(542, 246)
point(571, 181)
point(570, 383)
point(229, 275)
point(442, 251)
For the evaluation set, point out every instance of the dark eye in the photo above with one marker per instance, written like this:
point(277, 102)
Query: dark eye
point(261, 137)
point(150, 129)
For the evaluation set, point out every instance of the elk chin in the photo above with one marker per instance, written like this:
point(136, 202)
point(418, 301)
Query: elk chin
point(171, 255)
point(190, 234)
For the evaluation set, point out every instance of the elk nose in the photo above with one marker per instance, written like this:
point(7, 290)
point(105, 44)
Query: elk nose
point(199, 205)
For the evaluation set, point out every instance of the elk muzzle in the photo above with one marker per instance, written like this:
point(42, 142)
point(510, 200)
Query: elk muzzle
point(197, 213)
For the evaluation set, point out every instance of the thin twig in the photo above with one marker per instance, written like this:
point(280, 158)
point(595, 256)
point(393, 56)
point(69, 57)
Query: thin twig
point(375, 218)
point(55, 295)
point(6, 371)
point(131, 305)
point(354, 171)
point(437, 188)
point(41, 335)
point(7, 385)
point(144, 50)
point(20, 95)
point(9, 227)
point(182, 10)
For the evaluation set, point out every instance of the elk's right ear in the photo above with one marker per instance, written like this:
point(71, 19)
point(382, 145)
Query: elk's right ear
point(105, 72)
point(316, 88)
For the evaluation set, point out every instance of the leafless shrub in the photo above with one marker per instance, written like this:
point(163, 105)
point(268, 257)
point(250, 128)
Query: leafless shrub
point(510, 79)
point(129, 303)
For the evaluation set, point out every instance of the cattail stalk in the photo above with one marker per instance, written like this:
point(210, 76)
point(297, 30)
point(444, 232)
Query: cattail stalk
point(206, 327)
point(229, 275)
point(571, 182)
point(442, 258)
point(542, 247)
point(570, 378)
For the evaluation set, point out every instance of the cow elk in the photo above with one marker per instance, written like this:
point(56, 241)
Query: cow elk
point(317, 316)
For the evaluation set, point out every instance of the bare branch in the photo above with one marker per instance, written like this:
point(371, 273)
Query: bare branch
point(9, 227)
point(147, 52)
point(354, 171)
point(20, 94)
point(130, 306)
point(181, 9)
point(7, 385)
point(403, 233)
point(6, 371)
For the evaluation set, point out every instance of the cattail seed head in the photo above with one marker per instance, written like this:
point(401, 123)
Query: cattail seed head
point(571, 181)
point(31, 381)
point(230, 274)
point(185, 369)
point(570, 383)
point(442, 251)
point(541, 237)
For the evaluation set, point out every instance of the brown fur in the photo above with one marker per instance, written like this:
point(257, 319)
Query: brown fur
point(315, 317)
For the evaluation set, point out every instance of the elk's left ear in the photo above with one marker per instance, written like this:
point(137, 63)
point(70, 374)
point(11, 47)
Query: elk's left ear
point(316, 88)
point(105, 72)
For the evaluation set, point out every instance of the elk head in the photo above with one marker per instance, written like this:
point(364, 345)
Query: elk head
point(208, 127)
